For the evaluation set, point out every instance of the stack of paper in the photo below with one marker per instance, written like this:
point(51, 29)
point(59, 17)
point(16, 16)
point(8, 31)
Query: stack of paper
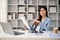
point(30, 2)
point(52, 9)
point(31, 9)
point(21, 2)
point(30, 17)
point(34, 2)
point(9, 16)
point(44, 2)
point(41, 2)
point(54, 24)
point(21, 15)
point(21, 9)
point(53, 16)
point(52, 2)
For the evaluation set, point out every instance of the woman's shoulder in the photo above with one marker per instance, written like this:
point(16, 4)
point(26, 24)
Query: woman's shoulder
point(48, 18)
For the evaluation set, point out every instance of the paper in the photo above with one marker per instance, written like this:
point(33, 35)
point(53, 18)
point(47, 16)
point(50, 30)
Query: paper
point(24, 21)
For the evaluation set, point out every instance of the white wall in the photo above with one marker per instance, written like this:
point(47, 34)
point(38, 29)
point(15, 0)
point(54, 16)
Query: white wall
point(3, 10)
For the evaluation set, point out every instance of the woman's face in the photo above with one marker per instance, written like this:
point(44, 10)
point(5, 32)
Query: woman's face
point(43, 12)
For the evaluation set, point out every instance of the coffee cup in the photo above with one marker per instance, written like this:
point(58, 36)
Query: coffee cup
point(55, 30)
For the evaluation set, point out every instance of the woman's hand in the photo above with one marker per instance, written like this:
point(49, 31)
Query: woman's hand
point(36, 22)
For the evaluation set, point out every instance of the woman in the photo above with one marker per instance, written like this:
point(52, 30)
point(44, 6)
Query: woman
point(43, 20)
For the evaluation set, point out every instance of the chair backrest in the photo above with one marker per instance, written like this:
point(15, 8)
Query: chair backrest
point(7, 28)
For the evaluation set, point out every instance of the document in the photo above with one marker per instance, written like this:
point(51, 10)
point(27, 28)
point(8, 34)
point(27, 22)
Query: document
point(24, 21)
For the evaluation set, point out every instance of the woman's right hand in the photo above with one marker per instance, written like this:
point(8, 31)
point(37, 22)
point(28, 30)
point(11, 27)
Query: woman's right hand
point(36, 22)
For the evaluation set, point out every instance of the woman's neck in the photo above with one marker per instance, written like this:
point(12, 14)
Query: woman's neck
point(43, 17)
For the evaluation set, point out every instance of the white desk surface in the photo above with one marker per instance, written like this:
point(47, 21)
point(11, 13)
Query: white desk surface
point(27, 34)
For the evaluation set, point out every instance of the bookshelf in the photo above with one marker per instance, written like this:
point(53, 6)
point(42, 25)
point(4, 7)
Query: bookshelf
point(29, 10)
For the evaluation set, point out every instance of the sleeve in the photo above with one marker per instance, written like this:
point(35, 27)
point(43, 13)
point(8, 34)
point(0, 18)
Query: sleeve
point(47, 25)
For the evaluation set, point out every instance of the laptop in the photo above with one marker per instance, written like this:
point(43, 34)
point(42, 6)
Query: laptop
point(7, 28)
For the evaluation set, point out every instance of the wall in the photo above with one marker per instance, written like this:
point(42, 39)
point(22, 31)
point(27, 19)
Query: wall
point(3, 10)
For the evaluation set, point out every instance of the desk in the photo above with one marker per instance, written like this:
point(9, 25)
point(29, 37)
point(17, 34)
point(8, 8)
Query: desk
point(29, 36)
